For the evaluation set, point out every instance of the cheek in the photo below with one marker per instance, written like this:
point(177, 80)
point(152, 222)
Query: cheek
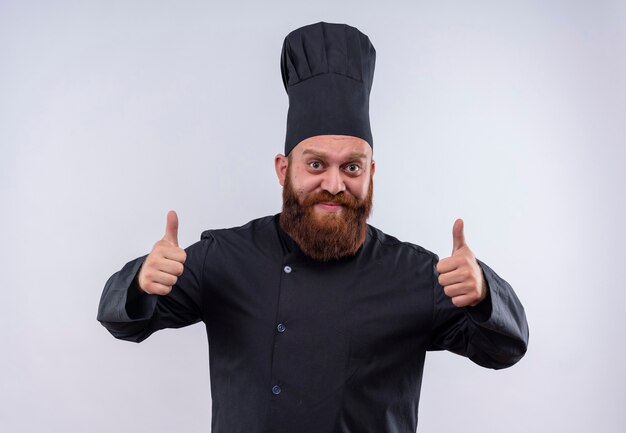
point(358, 188)
point(304, 184)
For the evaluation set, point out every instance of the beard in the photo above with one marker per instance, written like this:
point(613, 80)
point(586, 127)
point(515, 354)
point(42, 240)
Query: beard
point(327, 236)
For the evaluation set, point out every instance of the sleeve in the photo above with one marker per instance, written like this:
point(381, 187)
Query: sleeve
point(494, 334)
point(129, 314)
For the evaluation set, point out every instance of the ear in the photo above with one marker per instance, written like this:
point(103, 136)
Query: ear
point(280, 164)
point(373, 167)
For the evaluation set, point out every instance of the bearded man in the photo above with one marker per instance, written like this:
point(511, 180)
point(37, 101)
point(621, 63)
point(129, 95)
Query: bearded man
point(318, 322)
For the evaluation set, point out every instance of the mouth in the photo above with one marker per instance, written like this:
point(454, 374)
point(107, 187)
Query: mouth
point(329, 206)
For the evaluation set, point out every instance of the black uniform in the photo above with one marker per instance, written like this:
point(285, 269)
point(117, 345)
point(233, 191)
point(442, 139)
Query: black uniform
point(299, 346)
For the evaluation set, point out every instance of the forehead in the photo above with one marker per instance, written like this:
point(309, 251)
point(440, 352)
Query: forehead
point(333, 146)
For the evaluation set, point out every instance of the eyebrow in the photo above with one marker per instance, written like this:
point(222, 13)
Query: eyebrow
point(352, 156)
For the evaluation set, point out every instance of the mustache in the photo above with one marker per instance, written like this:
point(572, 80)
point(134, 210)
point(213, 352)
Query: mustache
point(342, 198)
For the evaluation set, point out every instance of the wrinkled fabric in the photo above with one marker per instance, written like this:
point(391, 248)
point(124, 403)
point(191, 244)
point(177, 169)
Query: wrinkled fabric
point(345, 341)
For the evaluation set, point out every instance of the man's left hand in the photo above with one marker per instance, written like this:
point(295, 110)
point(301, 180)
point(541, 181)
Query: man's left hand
point(460, 275)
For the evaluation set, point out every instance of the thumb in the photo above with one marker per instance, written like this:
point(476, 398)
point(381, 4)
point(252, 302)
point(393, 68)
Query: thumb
point(171, 228)
point(458, 238)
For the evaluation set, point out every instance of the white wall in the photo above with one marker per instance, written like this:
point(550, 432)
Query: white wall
point(508, 114)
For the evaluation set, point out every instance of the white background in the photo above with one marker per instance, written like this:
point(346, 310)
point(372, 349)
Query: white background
point(508, 114)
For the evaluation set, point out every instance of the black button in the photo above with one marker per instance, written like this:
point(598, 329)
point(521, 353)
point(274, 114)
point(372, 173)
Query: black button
point(276, 390)
point(280, 327)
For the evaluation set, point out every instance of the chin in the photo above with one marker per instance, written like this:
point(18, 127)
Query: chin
point(326, 215)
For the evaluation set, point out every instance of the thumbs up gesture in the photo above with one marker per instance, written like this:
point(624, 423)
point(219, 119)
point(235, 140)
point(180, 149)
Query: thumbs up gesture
point(460, 275)
point(161, 269)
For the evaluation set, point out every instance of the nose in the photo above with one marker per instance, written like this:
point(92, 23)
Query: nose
point(333, 181)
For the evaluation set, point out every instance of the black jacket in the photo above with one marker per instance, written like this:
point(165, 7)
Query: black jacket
point(299, 346)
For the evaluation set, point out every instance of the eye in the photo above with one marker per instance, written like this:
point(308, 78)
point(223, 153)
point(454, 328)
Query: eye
point(316, 165)
point(353, 168)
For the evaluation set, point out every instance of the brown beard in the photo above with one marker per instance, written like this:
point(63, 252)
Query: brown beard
point(330, 236)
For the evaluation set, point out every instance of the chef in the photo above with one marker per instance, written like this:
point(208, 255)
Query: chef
point(316, 321)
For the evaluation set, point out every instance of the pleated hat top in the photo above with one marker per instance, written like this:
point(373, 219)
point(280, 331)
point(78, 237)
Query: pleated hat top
point(327, 71)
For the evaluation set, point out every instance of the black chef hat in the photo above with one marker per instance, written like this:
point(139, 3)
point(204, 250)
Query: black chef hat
point(327, 71)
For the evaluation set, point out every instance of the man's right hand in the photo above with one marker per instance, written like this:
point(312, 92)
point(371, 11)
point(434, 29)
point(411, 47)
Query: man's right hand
point(161, 269)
